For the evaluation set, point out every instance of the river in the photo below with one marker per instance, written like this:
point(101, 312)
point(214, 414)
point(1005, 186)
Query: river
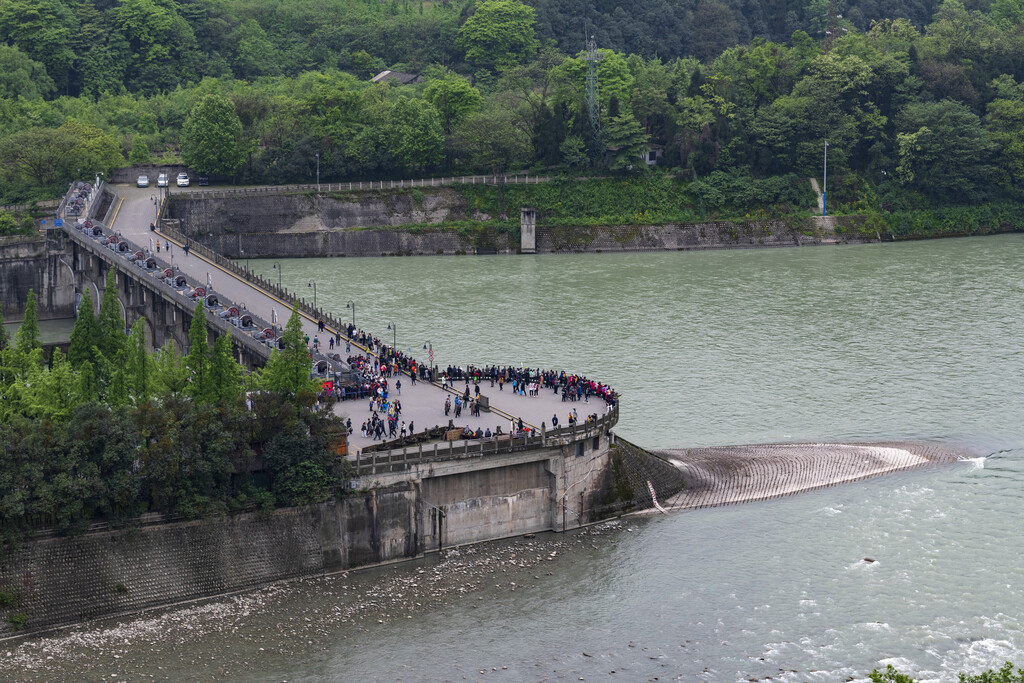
point(876, 342)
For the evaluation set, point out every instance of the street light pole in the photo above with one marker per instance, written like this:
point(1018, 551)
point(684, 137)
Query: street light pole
point(277, 267)
point(312, 283)
point(824, 185)
point(430, 353)
point(318, 171)
point(394, 335)
point(352, 305)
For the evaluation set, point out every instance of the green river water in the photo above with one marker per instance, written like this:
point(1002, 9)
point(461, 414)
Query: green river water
point(895, 341)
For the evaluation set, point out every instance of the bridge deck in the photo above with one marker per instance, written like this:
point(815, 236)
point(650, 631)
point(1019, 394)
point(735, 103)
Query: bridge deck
point(422, 404)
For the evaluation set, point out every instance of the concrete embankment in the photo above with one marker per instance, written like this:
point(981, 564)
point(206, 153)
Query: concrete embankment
point(725, 475)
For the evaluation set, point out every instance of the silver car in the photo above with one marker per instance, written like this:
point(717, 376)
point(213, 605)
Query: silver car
point(143, 181)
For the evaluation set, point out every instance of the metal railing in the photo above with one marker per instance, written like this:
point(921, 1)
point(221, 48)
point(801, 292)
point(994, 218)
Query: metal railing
point(367, 185)
point(184, 302)
point(401, 459)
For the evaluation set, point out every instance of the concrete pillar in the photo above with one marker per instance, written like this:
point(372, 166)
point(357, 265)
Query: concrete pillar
point(528, 231)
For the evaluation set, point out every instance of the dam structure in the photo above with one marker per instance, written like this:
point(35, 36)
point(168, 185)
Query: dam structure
point(407, 497)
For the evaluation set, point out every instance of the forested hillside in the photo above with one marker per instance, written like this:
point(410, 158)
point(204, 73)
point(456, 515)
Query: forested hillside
point(920, 103)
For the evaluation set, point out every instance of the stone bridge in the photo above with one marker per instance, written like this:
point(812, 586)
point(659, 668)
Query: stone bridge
point(167, 304)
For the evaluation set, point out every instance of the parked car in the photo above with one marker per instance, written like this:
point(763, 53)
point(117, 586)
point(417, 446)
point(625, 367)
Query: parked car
point(204, 180)
point(161, 180)
point(183, 180)
point(142, 181)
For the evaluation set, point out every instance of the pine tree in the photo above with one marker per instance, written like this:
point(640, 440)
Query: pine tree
point(112, 338)
point(88, 389)
point(627, 142)
point(225, 373)
point(170, 376)
point(27, 338)
point(197, 361)
point(139, 363)
point(85, 335)
point(288, 371)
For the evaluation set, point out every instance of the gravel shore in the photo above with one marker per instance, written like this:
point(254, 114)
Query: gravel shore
point(234, 638)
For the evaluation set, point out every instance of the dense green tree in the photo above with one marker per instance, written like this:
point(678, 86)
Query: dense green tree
point(42, 29)
point(256, 55)
point(943, 149)
point(111, 323)
point(46, 156)
point(197, 360)
point(494, 140)
point(413, 135)
point(22, 76)
point(226, 376)
point(1004, 119)
point(26, 339)
point(8, 224)
point(454, 98)
point(499, 34)
point(88, 386)
point(161, 45)
point(140, 152)
point(211, 137)
point(288, 370)
point(86, 334)
point(626, 143)
point(170, 374)
point(138, 363)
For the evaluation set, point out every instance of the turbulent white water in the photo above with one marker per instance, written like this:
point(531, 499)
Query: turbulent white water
point(881, 342)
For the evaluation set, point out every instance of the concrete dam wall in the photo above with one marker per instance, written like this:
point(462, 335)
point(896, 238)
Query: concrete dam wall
point(34, 263)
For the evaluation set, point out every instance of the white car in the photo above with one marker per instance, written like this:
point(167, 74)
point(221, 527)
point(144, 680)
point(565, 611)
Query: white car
point(161, 180)
point(142, 181)
point(182, 180)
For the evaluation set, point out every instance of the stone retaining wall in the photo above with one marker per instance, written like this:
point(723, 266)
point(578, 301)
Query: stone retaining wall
point(364, 224)
point(59, 580)
point(447, 241)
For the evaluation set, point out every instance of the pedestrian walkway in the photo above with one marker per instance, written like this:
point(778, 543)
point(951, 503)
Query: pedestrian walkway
point(422, 403)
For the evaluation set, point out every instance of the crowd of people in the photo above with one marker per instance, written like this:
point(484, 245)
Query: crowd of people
point(530, 382)
point(378, 374)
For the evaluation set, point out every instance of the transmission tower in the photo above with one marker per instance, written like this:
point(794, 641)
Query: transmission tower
point(593, 101)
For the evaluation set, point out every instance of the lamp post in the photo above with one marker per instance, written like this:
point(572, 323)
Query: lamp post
point(394, 335)
point(312, 283)
point(430, 353)
point(318, 171)
point(352, 305)
point(246, 260)
point(824, 185)
point(277, 267)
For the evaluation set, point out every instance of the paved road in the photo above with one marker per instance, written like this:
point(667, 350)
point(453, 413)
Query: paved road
point(422, 404)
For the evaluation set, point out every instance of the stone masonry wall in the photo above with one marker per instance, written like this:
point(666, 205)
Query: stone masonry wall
point(64, 580)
